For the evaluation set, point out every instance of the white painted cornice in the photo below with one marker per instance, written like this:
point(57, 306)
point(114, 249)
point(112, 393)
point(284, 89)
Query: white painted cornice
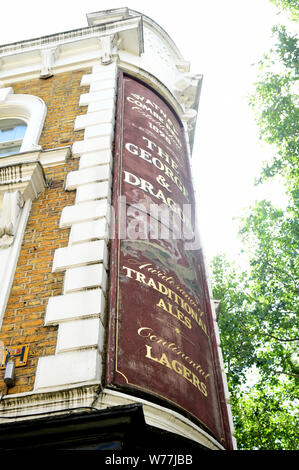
point(81, 46)
point(122, 27)
point(118, 14)
point(28, 178)
point(133, 40)
point(31, 405)
point(47, 158)
point(24, 172)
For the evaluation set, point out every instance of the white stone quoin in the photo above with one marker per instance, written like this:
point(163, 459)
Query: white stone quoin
point(84, 277)
point(80, 311)
point(89, 231)
point(80, 334)
point(80, 255)
point(65, 369)
point(92, 191)
point(88, 175)
point(83, 212)
point(85, 303)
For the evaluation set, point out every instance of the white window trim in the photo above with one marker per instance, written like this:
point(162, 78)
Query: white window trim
point(10, 259)
point(30, 109)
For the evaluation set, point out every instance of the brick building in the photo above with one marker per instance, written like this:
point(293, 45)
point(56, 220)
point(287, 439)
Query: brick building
point(62, 123)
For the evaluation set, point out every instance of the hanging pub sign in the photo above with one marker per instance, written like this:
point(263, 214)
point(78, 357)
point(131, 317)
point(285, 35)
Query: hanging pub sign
point(161, 339)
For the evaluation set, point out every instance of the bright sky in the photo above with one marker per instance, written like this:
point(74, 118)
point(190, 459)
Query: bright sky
point(221, 39)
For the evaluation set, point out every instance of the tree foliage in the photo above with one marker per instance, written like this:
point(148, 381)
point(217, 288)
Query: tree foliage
point(290, 6)
point(258, 317)
point(276, 105)
point(266, 421)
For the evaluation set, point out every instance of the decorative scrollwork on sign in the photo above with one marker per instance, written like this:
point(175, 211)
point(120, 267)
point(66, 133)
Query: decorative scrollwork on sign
point(9, 218)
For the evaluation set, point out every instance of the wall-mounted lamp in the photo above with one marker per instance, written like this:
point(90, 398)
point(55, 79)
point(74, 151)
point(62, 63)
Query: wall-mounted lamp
point(9, 377)
point(9, 374)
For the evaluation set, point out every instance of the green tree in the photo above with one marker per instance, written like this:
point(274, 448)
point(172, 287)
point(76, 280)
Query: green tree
point(266, 420)
point(258, 317)
point(290, 6)
point(276, 105)
point(258, 336)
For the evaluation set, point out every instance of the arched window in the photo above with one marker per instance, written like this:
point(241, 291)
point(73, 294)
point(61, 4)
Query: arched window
point(21, 122)
point(12, 132)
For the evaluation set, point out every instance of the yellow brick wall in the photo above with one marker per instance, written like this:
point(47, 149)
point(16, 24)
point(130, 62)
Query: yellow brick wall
point(34, 281)
point(61, 95)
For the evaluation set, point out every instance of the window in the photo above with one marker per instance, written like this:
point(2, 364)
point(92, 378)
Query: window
point(21, 122)
point(12, 132)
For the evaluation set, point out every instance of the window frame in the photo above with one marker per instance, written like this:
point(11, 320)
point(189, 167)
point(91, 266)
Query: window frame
point(30, 109)
point(11, 143)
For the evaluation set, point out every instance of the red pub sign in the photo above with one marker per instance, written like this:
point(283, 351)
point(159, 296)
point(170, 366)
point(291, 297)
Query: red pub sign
point(161, 339)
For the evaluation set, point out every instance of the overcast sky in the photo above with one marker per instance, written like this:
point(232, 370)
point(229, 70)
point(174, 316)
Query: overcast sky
point(221, 39)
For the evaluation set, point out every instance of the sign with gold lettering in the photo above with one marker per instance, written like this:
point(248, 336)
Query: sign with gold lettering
point(161, 339)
